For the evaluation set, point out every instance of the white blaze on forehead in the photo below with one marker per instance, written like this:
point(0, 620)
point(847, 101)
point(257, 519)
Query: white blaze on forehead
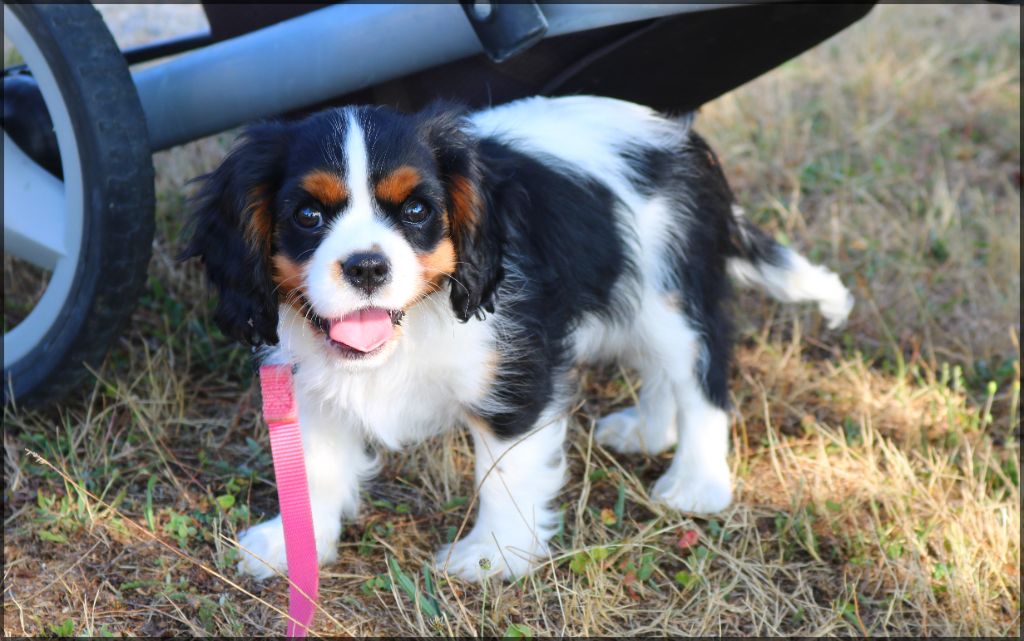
point(360, 227)
point(358, 167)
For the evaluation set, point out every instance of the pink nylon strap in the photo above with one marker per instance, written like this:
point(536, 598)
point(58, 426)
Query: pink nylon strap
point(281, 414)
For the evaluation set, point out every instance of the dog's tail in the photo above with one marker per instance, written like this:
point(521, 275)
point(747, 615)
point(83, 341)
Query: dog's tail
point(756, 259)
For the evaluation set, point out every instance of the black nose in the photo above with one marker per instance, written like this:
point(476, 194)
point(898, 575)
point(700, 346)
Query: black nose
point(367, 271)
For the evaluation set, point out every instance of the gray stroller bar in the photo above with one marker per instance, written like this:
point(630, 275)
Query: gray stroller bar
point(328, 53)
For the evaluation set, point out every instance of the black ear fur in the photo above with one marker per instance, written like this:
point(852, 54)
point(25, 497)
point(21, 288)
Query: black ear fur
point(235, 254)
point(474, 229)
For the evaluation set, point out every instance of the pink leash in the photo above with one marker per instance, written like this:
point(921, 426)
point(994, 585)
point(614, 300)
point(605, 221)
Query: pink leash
point(282, 416)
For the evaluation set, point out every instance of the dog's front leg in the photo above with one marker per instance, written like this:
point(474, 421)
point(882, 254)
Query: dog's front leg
point(517, 478)
point(336, 462)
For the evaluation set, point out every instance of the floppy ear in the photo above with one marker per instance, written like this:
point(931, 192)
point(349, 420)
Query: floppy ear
point(475, 232)
point(232, 227)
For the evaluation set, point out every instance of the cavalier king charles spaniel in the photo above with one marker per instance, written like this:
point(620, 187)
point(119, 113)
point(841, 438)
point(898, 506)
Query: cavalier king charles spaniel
point(449, 268)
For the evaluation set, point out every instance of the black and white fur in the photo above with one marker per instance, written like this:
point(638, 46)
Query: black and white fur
point(601, 231)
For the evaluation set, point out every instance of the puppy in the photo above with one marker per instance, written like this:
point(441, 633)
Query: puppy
point(440, 269)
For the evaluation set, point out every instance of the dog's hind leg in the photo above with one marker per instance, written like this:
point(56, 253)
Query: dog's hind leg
point(693, 364)
point(698, 480)
point(648, 428)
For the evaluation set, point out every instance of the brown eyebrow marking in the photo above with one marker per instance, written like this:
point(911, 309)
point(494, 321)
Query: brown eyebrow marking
point(396, 186)
point(325, 187)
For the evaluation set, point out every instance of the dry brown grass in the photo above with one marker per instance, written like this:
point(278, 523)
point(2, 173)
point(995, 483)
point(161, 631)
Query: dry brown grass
point(877, 469)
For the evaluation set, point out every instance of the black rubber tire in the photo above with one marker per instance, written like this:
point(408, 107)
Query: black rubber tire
point(117, 182)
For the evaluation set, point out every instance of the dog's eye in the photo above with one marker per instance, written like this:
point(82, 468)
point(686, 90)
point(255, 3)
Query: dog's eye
point(415, 211)
point(308, 218)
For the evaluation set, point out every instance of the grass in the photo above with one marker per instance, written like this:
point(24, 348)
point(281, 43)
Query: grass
point(878, 475)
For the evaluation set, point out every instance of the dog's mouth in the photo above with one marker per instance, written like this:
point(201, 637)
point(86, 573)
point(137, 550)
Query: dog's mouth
point(361, 333)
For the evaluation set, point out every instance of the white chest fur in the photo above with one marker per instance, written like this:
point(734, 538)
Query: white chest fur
point(437, 368)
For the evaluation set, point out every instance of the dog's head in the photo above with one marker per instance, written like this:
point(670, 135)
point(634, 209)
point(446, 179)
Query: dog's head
point(352, 216)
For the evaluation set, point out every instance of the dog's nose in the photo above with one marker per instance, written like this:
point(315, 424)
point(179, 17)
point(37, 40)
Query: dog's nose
point(367, 271)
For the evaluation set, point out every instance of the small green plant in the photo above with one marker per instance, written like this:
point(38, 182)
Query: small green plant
point(426, 604)
point(620, 504)
point(375, 583)
point(180, 526)
point(150, 519)
point(686, 579)
point(518, 631)
point(581, 560)
point(64, 629)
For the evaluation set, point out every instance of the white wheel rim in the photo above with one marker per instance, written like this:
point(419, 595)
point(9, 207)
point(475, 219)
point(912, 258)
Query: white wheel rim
point(51, 236)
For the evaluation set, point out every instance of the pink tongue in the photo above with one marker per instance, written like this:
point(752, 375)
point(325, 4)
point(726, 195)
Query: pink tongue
point(365, 330)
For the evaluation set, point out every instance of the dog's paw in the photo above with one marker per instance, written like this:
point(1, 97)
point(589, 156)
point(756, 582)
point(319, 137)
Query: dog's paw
point(626, 433)
point(703, 494)
point(262, 550)
point(836, 308)
point(477, 556)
